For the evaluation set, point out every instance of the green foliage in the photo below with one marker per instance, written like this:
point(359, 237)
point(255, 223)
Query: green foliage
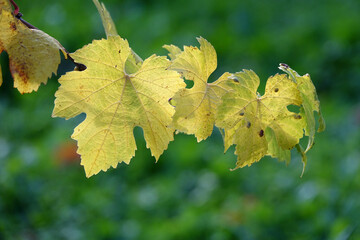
point(191, 193)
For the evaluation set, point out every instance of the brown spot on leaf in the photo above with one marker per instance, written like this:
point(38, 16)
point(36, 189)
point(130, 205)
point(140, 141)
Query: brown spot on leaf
point(276, 90)
point(13, 26)
point(284, 65)
point(297, 116)
point(261, 133)
point(21, 70)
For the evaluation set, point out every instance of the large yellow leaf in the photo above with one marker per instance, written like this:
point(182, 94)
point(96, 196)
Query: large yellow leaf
point(246, 116)
point(196, 107)
point(33, 54)
point(115, 101)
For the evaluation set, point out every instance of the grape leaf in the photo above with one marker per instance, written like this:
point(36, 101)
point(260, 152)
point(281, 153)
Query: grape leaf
point(115, 102)
point(196, 107)
point(33, 54)
point(246, 116)
point(274, 150)
point(173, 51)
point(310, 104)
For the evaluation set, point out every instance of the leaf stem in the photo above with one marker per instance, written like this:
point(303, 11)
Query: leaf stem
point(16, 8)
point(303, 157)
point(284, 67)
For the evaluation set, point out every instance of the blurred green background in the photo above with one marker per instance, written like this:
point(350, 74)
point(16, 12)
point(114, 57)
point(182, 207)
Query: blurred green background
point(190, 193)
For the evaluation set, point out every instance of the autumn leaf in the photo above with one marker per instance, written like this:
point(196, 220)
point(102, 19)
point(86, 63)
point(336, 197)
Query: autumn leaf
point(33, 54)
point(196, 107)
point(260, 125)
point(115, 102)
point(173, 51)
point(310, 104)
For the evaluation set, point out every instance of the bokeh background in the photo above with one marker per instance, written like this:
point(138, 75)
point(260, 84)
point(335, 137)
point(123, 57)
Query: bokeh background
point(190, 193)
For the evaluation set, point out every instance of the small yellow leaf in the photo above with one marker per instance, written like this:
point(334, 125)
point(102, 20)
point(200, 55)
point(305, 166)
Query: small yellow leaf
point(173, 51)
point(245, 116)
point(33, 54)
point(196, 107)
point(310, 104)
point(115, 102)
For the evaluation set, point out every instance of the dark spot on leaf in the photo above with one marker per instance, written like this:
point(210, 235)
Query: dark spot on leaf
point(261, 133)
point(115, 66)
point(236, 80)
point(119, 51)
point(297, 116)
point(170, 100)
point(248, 124)
point(21, 70)
point(208, 114)
point(79, 67)
point(276, 90)
point(241, 113)
point(13, 26)
point(284, 65)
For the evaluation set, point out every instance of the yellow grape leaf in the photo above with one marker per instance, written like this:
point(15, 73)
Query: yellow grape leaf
point(33, 54)
point(196, 107)
point(115, 102)
point(246, 116)
point(173, 51)
point(310, 104)
point(274, 150)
